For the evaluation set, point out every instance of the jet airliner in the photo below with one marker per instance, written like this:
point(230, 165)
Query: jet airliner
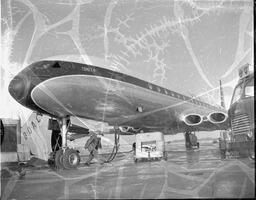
point(61, 89)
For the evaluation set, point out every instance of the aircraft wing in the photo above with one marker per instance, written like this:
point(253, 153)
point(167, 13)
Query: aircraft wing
point(60, 88)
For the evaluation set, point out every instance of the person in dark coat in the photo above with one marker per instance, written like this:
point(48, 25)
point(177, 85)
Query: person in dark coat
point(92, 144)
point(2, 130)
point(134, 146)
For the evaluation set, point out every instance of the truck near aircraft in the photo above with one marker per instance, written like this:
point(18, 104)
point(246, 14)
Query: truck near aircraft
point(239, 140)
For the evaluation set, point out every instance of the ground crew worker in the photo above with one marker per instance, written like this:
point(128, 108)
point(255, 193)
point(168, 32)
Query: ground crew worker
point(187, 140)
point(193, 139)
point(1, 130)
point(134, 147)
point(92, 144)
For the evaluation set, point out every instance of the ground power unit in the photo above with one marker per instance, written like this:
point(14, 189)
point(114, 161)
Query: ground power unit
point(150, 146)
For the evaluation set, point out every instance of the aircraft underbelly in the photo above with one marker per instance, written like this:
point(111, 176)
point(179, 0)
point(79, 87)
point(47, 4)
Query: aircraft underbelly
point(108, 100)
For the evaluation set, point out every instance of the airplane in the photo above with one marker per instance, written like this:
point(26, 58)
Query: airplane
point(61, 89)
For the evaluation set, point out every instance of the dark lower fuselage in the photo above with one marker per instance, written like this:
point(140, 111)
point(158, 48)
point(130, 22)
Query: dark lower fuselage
point(59, 89)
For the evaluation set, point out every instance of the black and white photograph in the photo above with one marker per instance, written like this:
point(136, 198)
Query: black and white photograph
point(127, 99)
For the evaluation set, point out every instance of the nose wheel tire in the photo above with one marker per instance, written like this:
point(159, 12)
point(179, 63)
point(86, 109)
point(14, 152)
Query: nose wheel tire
point(71, 159)
point(68, 159)
point(59, 159)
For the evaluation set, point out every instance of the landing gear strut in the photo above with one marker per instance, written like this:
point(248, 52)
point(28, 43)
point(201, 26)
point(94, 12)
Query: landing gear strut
point(66, 158)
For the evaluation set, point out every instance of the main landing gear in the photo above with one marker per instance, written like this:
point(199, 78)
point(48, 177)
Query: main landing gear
point(65, 157)
point(191, 140)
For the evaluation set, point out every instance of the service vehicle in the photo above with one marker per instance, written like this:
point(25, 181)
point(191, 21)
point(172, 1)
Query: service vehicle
point(239, 140)
point(150, 146)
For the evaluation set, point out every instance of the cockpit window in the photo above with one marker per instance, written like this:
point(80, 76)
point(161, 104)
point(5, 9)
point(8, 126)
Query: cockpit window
point(249, 88)
point(237, 93)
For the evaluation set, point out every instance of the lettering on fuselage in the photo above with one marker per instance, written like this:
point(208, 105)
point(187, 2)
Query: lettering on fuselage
point(177, 96)
point(88, 69)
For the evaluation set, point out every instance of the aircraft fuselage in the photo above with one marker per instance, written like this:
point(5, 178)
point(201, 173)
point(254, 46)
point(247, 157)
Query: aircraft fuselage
point(60, 88)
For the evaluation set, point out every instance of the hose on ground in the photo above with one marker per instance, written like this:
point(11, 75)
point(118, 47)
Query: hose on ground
point(115, 148)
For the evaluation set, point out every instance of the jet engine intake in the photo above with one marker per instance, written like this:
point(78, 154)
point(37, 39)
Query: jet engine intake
point(135, 129)
point(217, 117)
point(193, 119)
point(125, 128)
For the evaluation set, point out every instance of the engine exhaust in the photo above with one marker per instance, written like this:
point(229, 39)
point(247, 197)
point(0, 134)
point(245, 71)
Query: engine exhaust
point(217, 117)
point(193, 119)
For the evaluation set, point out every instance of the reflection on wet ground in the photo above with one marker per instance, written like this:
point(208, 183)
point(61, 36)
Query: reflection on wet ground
point(196, 173)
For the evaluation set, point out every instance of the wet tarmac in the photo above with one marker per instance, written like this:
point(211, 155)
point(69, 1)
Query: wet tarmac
point(186, 174)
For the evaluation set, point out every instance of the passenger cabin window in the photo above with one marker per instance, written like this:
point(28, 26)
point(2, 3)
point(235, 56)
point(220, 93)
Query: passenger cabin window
point(249, 88)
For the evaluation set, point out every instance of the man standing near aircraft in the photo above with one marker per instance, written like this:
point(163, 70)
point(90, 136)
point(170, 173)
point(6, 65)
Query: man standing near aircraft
point(92, 144)
point(2, 131)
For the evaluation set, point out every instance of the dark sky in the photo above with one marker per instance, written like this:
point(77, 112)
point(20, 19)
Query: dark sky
point(186, 46)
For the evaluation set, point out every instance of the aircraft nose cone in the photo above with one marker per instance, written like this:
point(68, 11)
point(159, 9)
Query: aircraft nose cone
point(17, 87)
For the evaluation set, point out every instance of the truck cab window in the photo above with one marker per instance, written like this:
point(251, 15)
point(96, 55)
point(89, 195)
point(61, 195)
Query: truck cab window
point(249, 89)
point(237, 93)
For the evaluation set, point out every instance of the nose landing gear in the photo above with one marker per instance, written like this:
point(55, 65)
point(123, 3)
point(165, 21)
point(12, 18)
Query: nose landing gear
point(65, 157)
